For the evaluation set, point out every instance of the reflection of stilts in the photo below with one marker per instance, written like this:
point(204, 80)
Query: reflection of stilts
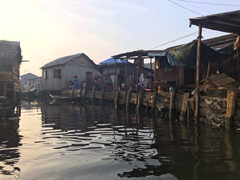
point(195, 175)
point(229, 149)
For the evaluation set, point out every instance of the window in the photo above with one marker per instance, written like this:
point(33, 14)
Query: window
point(57, 73)
point(45, 74)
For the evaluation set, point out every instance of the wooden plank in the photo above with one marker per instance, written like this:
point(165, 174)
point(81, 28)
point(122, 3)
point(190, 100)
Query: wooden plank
point(165, 94)
point(217, 77)
point(224, 81)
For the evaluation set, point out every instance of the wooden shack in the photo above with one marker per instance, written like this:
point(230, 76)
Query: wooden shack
point(10, 60)
point(57, 74)
point(176, 66)
point(107, 68)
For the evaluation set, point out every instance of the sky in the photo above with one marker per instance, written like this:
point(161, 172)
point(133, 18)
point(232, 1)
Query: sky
point(50, 29)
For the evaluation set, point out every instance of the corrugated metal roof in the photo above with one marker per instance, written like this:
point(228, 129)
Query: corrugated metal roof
point(226, 22)
point(61, 61)
point(112, 61)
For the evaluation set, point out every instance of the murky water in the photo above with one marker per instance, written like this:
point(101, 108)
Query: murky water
point(65, 141)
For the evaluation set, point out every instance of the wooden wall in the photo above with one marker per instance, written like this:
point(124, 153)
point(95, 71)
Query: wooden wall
point(78, 66)
point(173, 74)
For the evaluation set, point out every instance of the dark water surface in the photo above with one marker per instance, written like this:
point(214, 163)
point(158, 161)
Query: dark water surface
point(65, 141)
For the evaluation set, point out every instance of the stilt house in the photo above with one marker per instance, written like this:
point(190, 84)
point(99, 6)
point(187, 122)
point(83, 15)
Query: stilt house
point(57, 74)
point(10, 60)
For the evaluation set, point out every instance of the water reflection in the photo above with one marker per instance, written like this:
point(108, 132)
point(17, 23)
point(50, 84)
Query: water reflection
point(9, 144)
point(97, 142)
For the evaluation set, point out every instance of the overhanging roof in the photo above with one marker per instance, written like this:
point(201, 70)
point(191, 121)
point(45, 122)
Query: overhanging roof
point(225, 22)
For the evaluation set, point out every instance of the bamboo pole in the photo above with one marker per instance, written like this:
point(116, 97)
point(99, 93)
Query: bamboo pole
point(197, 71)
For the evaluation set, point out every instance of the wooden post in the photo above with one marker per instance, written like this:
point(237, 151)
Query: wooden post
point(238, 63)
point(230, 110)
point(138, 72)
point(152, 83)
point(126, 77)
point(93, 93)
point(139, 101)
point(154, 100)
point(84, 92)
point(128, 99)
point(172, 104)
point(208, 69)
point(115, 76)
point(116, 98)
point(184, 107)
point(103, 89)
point(197, 71)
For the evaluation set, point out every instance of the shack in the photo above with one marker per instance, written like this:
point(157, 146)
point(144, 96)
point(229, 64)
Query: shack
point(175, 66)
point(10, 60)
point(226, 22)
point(58, 73)
point(107, 68)
point(30, 81)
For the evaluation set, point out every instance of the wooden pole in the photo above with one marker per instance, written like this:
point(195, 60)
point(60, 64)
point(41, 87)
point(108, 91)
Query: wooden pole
point(184, 107)
point(128, 99)
point(103, 89)
point(154, 100)
point(230, 110)
point(238, 63)
point(197, 71)
point(208, 69)
point(93, 93)
point(172, 104)
point(116, 98)
point(126, 78)
point(138, 72)
point(139, 101)
point(115, 75)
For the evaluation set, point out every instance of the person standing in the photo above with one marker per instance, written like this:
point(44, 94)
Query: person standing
point(75, 82)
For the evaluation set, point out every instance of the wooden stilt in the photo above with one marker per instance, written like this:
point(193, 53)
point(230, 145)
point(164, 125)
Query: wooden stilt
point(93, 93)
point(115, 75)
point(172, 104)
point(103, 90)
point(230, 110)
point(139, 101)
point(184, 107)
point(116, 98)
point(154, 100)
point(197, 71)
point(208, 69)
point(128, 99)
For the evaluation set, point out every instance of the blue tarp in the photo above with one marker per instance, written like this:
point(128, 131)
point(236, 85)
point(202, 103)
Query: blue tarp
point(112, 61)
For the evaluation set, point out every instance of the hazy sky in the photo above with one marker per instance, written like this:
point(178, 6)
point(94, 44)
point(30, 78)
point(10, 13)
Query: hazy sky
point(49, 29)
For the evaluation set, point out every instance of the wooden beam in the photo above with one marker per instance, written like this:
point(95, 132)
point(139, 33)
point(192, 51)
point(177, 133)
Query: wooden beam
point(197, 70)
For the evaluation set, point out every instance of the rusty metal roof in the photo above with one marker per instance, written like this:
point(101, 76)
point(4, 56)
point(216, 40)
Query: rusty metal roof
point(225, 22)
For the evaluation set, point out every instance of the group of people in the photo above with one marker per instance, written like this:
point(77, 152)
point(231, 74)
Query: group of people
point(74, 84)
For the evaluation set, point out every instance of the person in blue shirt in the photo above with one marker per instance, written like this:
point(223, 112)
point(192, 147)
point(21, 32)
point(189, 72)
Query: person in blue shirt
point(75, 82)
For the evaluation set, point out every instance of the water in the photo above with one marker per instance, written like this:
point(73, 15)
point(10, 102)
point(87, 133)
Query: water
point(65, 141)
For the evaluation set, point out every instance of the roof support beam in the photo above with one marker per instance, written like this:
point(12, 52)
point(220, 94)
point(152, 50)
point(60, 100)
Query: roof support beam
point(197, 70)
